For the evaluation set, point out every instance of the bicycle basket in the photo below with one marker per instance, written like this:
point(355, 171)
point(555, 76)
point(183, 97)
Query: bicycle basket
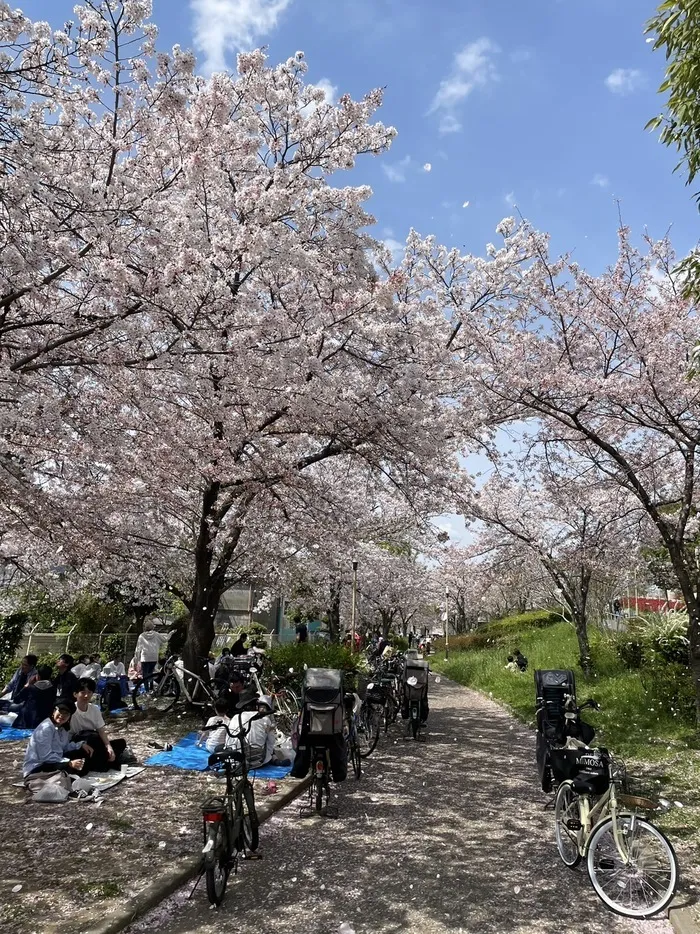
point(638, 793)
point(572, 763)
point(324, 719)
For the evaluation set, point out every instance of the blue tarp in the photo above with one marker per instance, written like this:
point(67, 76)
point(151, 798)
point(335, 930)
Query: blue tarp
point(10, 733)
point(187, 755)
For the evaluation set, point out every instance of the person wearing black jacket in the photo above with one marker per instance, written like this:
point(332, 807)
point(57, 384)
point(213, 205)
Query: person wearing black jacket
point(37, 700)
point(238, 647)
point(65, 682)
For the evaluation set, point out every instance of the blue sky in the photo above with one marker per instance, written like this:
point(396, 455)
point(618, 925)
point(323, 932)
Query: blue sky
point(539, 103)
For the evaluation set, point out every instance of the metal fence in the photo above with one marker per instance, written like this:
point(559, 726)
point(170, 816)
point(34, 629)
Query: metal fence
point(87, 643)
point(83, 643)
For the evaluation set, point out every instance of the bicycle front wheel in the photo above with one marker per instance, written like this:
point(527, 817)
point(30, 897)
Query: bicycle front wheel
point(250, 834)
point(566, 809)
point(217, 862)
point(368, 727)
point(355, 757)
point(639, 878)
point(166, 695)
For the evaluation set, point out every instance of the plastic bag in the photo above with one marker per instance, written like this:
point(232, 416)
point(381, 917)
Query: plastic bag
point(52, 794)
point(82, 784)
point(7, 719)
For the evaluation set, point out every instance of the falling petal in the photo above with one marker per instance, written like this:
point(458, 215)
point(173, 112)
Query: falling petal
point(161, 845)
point(88, 826)
point(16, 888)
point(517, 890)
point(466, 204)
point(427, 167)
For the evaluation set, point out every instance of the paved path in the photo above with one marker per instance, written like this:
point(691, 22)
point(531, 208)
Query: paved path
point(437, 838)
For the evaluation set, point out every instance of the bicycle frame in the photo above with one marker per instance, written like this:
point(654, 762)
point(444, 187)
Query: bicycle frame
point(592, 816)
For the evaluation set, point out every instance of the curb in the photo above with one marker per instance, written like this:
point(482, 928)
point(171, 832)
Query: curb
point(683, 920)
point(176, 876)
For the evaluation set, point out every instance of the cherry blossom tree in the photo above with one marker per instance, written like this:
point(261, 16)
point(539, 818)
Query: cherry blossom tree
point(273, 350)
point(602, 363)
point(577, 530)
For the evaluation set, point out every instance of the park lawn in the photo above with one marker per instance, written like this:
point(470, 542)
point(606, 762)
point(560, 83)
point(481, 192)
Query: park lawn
point(653, 741)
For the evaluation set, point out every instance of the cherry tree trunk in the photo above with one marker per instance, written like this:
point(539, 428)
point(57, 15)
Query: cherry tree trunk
point(584, 648)
point(334, 612)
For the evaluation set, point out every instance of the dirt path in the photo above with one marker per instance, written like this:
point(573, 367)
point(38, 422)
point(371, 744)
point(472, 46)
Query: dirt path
point(437, 838)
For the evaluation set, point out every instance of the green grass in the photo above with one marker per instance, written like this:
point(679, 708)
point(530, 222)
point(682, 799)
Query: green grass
point(633, 721)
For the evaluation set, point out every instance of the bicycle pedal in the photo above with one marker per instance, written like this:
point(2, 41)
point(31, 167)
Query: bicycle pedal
point(250, 856)
point(574, 825)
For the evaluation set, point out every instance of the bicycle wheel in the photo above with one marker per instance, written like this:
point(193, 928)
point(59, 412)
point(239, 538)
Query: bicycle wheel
point(354, 755)
point(566, 809)
point(368, 727)
point(644, 883)
point(389, 713)
point(217, 862)
point(166, 694)
point(250, 835)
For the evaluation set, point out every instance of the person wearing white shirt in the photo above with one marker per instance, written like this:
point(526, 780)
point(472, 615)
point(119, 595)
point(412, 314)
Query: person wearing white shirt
point(114, 668)
point(148, 646)
point(88, 726)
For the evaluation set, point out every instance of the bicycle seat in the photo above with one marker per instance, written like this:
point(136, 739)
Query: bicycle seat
point(226, 755)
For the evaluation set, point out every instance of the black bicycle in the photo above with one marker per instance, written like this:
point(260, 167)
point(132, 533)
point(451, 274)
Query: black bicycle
point(230, 822)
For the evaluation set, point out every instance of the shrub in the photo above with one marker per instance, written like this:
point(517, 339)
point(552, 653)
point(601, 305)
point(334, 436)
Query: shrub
point(314, 655)
point(399, 643)
point(629, 649)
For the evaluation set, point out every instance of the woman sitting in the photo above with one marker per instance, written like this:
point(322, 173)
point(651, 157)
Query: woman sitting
point(50, 748)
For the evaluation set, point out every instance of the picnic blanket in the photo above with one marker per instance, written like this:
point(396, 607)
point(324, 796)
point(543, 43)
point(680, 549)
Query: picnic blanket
point(187, 755)
point(10, 733)
point(105, 780)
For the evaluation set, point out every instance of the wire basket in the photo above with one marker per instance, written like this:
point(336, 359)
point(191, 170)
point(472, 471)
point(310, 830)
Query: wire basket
point(638, 792)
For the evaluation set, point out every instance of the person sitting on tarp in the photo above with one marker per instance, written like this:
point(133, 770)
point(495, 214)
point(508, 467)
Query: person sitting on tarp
point(65, 682)
point(50, 747)
point(37, 700)
point(520, 660)
point(512, 665)
point(25, 674)
point(87, 725)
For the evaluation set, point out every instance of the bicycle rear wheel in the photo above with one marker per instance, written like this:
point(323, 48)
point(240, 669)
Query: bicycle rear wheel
point(389, 713)
point(644, 883)
point(217, 862)
point(566, 809)
point(166, 694)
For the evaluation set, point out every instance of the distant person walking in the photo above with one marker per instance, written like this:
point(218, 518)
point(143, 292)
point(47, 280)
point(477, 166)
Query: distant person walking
point(302, 631)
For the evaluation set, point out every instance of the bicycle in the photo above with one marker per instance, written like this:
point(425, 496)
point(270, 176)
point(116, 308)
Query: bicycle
point(174, 681)
point(631, 864)
point(229, 821)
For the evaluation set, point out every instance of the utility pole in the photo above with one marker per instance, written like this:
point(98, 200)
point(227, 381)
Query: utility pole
point(447, 623)
point(354, 605)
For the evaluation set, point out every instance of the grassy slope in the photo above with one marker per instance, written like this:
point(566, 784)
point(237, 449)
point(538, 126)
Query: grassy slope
point(630, 723)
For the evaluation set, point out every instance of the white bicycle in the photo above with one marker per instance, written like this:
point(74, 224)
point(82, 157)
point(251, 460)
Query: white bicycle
point(631, 864)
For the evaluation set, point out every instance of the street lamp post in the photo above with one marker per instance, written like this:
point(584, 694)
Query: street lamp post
point(447, 623)
point(354, 605)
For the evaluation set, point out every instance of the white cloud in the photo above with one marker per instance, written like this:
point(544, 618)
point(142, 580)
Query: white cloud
point(397, 171)
point(625, 80)
point(330, 90)
point(473, 67)
point(602, 181)
point(510, 199)
point(449, 124)
point(222, 26)
point(427, 167)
